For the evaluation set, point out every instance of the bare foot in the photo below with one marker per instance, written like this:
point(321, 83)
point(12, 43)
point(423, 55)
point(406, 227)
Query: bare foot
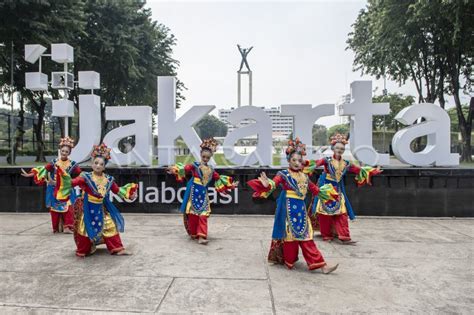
point(68, 231)
point(203, 241)
point(123, 252)
point(328, 269)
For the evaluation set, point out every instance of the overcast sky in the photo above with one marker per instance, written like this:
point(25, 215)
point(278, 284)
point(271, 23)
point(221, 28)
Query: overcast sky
point(299, 54)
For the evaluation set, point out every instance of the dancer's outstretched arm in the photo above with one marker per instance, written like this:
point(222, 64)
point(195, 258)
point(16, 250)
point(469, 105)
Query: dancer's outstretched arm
point(364, 173)
point(264, 186)
point(179, 170)
point(224, 183)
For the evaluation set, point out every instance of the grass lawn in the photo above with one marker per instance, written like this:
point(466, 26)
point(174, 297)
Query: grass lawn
point(186, 159)
point(219, 158)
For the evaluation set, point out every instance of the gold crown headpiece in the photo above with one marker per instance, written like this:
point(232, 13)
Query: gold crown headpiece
point(66, 141)
point(102, 151)
point(210, 144)
point(338, 138)
point(295, 146)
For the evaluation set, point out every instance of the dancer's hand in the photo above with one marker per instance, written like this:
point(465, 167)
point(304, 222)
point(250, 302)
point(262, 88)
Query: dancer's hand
point(170, 170)
point(133, 196)
point(25, 174)
point(235, 184)
point(51, 181)
point(378, 168)
point(264, 179)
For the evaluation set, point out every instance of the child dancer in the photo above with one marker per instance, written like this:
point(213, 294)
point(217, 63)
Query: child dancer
point(62, 216)
point(291, 228)
point(333, 216)
point(97, 219)
point(196, 206)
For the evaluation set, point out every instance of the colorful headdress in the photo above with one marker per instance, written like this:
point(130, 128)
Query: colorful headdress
point(209, 144)
point(102, 151)
point(338, 138)
point(295, 146)
point(66, 141)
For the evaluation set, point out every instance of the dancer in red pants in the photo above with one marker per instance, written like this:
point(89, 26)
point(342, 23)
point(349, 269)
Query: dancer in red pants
point(196, 206)
point(292, 229)
point(97, 220)
point(333, 216)
point(62, 214)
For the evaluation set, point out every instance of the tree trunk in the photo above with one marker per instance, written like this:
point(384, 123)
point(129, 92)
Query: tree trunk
point(61, 126)
point(38, 128)
point(442, 101)
point(465, 127)
point(20, 130)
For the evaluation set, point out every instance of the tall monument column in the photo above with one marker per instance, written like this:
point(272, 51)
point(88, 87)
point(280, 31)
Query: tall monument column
point(244, 52)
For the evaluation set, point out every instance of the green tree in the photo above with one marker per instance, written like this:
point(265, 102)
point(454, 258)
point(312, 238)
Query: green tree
point(397, 103)
point(115, 38)
point(42, 22)
point(210, 126)
point(320, 135)
point(453, 115)
point(343, 129)
point(128, 49)
point(427, 42)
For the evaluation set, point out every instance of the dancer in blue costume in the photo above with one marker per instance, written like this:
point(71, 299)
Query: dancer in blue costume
point(292, 228)
point(62, 214)
point(196, 206)
point(332, 217)
point(97, 220)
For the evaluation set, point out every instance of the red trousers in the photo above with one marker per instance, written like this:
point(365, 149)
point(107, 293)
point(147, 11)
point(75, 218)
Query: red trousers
point(311, 254)
point(340, 223)
point(67, 218)
point(84, 244)
point(197, 225)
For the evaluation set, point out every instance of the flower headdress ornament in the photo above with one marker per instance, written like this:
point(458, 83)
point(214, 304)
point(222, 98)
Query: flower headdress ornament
point(295, 146)
point(101, 151)
point(338, 138)
point(209, 144)
point(66, 141)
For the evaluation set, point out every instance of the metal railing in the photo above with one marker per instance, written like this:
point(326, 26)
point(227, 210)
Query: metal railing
point(51, 133)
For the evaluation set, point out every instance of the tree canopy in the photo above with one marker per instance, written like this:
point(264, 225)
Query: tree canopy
point(118, 39)
point(211, 126)
point(430, 43)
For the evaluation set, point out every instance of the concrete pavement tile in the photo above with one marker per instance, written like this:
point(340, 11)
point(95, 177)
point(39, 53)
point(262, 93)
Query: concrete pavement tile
point(375, 286)
point(398, 266)
point(26, 253)
point(12, 310)
point(464, 226)
point(250, 233)
point(178, 258)
point(217, 296)
point(215, 230)
point(16, 223)
point(388, 223)
point(244, 220)
point(379, 235)
point(408, 250)
point(152, 219)
point(439, 235)
point(177, 219)
point(121, 293)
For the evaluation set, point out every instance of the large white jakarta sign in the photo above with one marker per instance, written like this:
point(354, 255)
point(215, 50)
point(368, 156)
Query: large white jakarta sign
point(436, 124)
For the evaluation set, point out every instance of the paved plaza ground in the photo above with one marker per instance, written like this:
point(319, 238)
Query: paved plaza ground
point(400, 265)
